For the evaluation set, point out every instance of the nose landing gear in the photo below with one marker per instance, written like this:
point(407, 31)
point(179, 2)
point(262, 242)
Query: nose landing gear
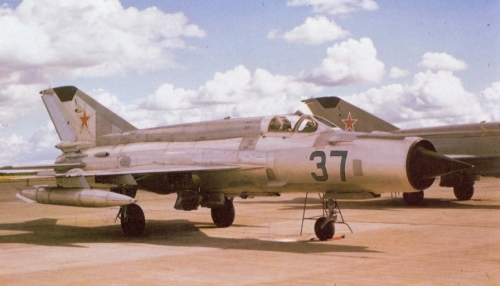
point(324, 228)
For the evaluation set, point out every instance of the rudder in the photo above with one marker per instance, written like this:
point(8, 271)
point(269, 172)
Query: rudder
point(346, 115)
point(78, 117)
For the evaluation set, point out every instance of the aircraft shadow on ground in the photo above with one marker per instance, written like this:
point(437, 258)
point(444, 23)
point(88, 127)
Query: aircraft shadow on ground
point(180, 233)
point(381, 204)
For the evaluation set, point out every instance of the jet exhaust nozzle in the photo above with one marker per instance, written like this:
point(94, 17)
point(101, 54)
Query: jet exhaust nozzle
point(424, 164)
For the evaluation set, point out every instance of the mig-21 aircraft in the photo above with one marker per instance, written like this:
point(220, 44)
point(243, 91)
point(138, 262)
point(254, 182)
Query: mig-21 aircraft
point(476, 144)
point(210, 163)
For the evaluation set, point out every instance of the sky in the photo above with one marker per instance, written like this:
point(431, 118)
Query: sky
point(155, 63)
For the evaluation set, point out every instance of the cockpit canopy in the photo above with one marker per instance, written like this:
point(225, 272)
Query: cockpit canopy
point(280, 124)
point(297, 123)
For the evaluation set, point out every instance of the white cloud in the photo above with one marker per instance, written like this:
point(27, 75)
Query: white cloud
point(315, 31)
point(44, 139)
point(350, 62)
point(88, 38)
point(17, 100)
point(38, 149)
point(169, 97)
point(440, 89)
point(336, 6)
point(491, 96)
point(441, 61)
point(273, 34)
point(398, 73)
point(492, 92)
point(432, 99)
point(130, 111)
point(45, 40)
point(236, 93)
point(14, 144)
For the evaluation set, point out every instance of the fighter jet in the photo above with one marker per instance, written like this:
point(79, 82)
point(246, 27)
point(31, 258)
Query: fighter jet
point(476, 144)
point(211, 163)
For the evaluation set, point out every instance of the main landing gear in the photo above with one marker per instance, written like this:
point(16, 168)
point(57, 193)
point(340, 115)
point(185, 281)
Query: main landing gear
point(464, 191)
point(463, 185)
point(132, 220)
point(223, 216)
point(131, 216)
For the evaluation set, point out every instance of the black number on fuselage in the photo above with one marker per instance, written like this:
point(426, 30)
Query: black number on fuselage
point(322, 164)
point(343, 155)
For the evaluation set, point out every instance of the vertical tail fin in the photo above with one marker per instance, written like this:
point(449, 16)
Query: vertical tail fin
point(346, 115)
point(78, 117)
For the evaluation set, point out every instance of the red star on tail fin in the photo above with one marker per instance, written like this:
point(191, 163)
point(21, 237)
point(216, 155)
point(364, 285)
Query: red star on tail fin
point(349, 123)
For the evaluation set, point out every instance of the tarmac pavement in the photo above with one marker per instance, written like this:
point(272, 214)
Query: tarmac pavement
point(442, 242)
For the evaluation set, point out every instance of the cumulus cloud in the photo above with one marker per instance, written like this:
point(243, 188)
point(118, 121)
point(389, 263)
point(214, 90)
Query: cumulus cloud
point(398, 73)
point(45, 40)
point(36, 150)
point(17, 100)
point(169, 97)
point(13, 143)
point(237, 93)
point(350, 62)
point(492, 92)
point(491, 98)
point(314, 31)
point(130, 111)
point(441, 61)
point(88, 38)
point(337, 6)
point(433, 98)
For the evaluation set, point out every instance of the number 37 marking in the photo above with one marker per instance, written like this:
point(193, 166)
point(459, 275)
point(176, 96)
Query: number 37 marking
point(321, 165)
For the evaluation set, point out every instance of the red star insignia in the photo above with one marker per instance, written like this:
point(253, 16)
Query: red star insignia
point(85, 119)
point(349, 122)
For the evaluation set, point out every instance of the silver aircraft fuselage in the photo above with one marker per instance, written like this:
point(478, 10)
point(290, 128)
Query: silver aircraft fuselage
point(270, 162)
point(210, 163)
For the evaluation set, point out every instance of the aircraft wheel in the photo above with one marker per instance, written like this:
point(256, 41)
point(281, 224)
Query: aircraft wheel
point(413, 199)
point(464, 192)
point(223, 216)
point(132, 220)
point(326, 232)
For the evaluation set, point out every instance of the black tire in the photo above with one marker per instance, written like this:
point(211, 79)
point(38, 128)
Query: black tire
point(326, 232)
point(223, 216)
point(464, 192)
point(134, 222)
point(413, 199)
